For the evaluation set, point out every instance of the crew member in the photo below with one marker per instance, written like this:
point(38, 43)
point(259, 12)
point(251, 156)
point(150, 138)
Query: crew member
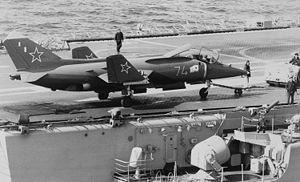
point(119, 39)
point(1, 45)
point(206, 59)
point(248, 69)
point(261, 126)
point(295, 60)
point(291, 88)
point(140, 28)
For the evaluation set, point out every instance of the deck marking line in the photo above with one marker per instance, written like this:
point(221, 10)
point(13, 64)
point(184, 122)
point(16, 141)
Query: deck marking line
point(155, 43)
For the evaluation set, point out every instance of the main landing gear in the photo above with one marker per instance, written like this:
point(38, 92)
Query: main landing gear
point(103, 94)
point(126, 101)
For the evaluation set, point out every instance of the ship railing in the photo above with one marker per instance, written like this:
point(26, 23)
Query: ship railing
point(243, 124)
point(160, 178)
point(189, 27)
point(124, 171)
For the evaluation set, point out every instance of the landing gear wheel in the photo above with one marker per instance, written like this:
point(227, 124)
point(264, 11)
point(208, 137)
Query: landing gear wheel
point(102, 95)
point(126, 101)
point(272, 84)
point(238, 92)
point(203, 93)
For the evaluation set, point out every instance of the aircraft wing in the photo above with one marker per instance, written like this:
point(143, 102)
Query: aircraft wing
point(178, 50)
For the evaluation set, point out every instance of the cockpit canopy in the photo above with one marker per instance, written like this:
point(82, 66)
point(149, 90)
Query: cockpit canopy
point(201, 53)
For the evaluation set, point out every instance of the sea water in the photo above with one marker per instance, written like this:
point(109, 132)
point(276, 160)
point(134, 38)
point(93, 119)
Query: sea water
point(65, 18)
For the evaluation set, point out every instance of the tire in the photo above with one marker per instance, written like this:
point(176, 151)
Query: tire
point(126, 101)
point(238, 92)
point(203, 93)
point(272, 84)
point(102, 95)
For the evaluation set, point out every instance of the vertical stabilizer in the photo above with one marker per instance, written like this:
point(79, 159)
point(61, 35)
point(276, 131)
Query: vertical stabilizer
point(119, 70)
point(30, 56)
point(83, 53)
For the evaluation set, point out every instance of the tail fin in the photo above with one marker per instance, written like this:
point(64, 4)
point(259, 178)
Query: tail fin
point(83, 53)
point(119, 70)
point(29, 56)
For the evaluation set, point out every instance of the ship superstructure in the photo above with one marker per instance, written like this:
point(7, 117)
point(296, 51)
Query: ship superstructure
point(73, 150)
point(122, 147)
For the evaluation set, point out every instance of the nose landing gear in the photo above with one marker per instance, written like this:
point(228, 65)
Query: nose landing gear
point(203, 92)
point(238, 92)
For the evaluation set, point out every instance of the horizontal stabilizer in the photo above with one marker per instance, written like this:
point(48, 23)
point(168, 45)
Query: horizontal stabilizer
point(83, 53)
point(119, 70)
point(32, 77)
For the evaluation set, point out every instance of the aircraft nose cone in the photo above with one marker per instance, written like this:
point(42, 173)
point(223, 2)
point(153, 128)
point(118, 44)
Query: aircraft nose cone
point(215, 71)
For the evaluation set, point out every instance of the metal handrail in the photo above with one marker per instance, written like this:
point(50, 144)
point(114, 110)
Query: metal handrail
point(128, 162)
point(121, 165)
point(123, 169)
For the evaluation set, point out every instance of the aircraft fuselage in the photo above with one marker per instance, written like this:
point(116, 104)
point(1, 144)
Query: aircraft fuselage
point(83, 75)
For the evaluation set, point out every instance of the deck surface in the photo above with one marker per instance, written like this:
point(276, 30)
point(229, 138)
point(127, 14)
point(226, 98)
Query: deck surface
point(262, 48)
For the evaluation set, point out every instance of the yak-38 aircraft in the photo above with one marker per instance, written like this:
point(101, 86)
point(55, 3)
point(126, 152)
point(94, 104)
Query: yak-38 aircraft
point(38, 65)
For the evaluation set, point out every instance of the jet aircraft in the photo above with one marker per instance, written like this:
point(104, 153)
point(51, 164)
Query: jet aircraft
point(38, 65)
